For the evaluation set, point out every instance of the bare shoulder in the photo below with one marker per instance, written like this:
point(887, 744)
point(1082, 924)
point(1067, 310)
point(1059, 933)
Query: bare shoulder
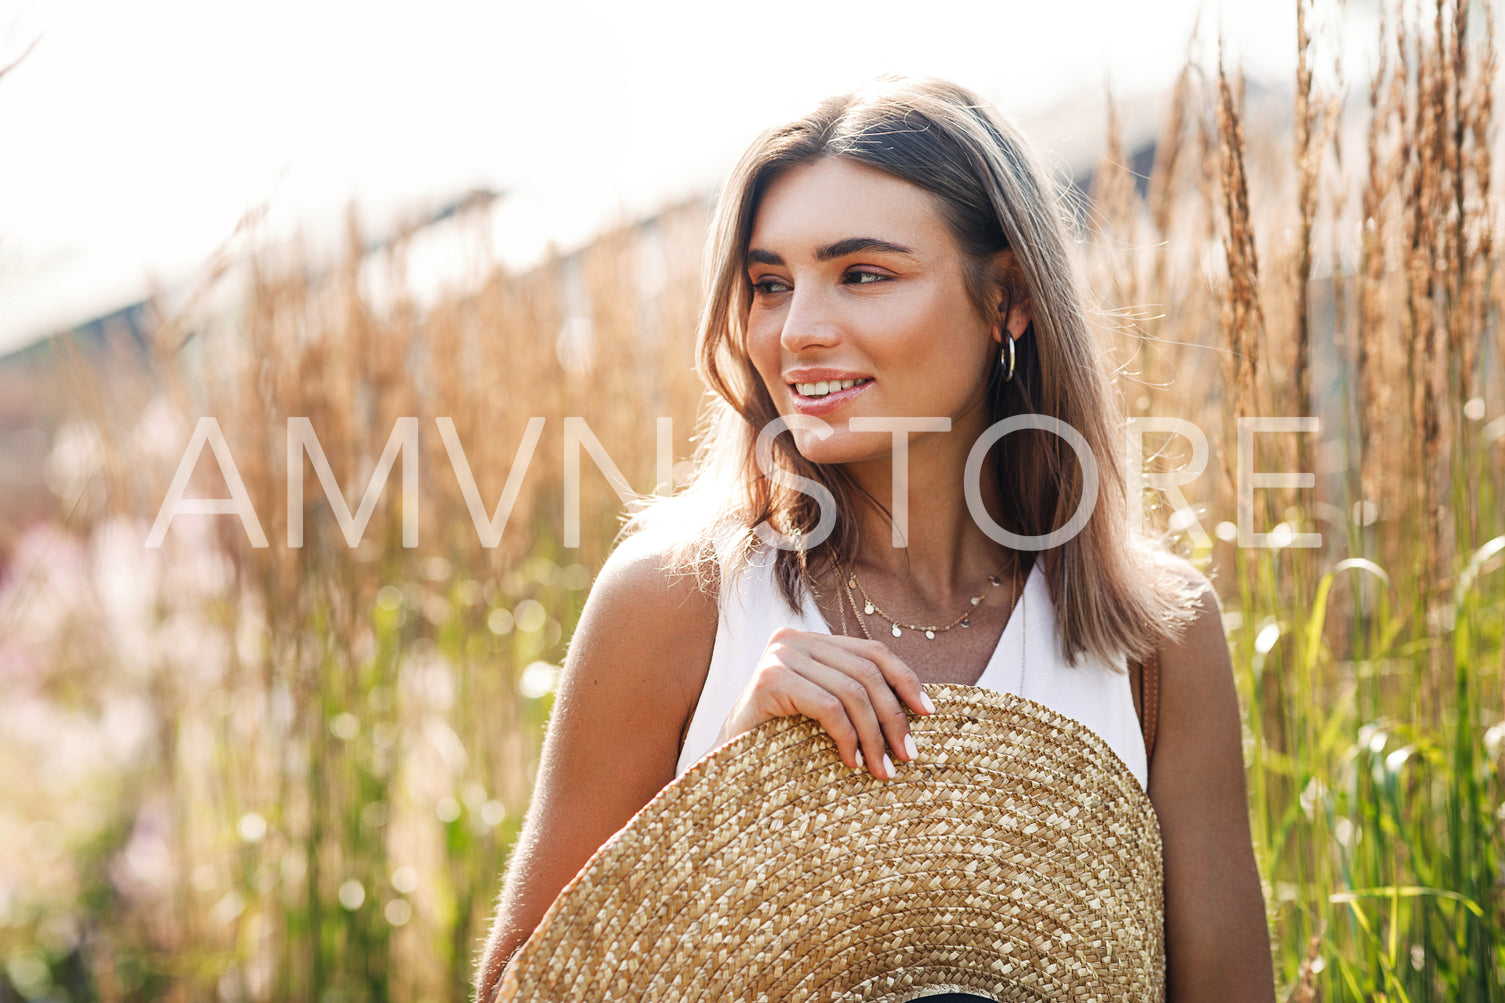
point(1199, 702)
point(647, 611)
point(650, 561)
point(1203, 636)
point(640, 653)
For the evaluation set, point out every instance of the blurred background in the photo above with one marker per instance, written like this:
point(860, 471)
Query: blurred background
point(242, 772)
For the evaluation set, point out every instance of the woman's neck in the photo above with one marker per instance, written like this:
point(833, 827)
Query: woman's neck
point(938, 546)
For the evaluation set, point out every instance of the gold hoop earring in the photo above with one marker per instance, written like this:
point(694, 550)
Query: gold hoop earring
point(1006, 358)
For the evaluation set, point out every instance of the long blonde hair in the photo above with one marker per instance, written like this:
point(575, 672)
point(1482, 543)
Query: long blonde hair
point(1113, 593)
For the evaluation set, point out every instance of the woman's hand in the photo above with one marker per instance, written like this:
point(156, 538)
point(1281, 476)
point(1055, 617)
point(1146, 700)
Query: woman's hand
point(854, 688)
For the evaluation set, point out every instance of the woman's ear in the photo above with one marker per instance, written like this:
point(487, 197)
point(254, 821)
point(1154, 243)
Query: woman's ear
point(1013, 314)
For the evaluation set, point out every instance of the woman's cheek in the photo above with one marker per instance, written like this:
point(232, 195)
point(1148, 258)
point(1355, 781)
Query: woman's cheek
point(762, 350)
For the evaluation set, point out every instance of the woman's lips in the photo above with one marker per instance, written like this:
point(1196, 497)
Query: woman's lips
point(830, 402)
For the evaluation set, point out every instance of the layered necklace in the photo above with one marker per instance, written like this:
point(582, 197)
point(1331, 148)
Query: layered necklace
point(897, 627)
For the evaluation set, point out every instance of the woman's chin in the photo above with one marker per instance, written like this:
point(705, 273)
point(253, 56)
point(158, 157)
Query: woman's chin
point(840, 449)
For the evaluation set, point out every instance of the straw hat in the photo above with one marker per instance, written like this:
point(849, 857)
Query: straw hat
point(1017, 858)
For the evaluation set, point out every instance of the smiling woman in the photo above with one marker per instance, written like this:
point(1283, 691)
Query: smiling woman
point(890, 282)
point(885, 317)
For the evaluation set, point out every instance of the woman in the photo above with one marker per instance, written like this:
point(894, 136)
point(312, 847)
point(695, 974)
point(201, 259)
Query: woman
point(889, 280)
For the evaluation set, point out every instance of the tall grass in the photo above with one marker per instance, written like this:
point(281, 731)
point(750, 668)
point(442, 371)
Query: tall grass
point(337, 742)
point(294, 774)
point(1369, 667)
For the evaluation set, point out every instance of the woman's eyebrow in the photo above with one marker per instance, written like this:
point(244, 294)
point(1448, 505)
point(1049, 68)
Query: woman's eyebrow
point(858, 245)
point(840, 249)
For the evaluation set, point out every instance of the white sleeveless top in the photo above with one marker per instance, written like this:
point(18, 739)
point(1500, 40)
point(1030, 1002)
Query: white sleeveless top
point(1089, 692)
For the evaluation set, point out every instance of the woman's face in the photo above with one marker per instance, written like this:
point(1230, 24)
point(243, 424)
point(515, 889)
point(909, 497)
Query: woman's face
point(860, 310)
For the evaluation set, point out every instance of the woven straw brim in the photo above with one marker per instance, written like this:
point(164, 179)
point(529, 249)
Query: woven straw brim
point(1017, 858)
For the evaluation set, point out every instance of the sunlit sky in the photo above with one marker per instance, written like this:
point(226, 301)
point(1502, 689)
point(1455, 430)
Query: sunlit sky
point(135, 134)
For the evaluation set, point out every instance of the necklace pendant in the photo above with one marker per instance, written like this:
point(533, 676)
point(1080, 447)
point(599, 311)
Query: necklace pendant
point(851, 582)
point(996, 581)
point(967, 620)
point(897, 631)
point(930, 635)
point(976, 600)
point(869, 609)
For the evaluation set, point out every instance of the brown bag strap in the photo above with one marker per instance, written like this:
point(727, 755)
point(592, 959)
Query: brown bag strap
point(1149, 701)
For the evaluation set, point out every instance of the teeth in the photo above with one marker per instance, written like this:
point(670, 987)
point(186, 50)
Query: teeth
point(823, 387)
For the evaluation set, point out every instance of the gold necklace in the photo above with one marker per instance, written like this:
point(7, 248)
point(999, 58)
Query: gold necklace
point(1015, 603)
point(965, 620)
point(837, 568)
point(815, 594)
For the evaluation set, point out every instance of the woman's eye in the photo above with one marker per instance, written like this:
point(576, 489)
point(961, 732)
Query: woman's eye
point(769, 286)
point(864, 278)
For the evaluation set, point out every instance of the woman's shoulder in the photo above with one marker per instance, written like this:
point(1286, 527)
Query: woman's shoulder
point(640, 653)
point(1187, 597)
point(656, 568)
point(1195, 591)
point(1196, 670)
point(651, 596)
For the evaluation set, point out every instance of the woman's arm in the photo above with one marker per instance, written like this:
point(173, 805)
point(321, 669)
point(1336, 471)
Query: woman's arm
point(1217, 944)
point(631, 679)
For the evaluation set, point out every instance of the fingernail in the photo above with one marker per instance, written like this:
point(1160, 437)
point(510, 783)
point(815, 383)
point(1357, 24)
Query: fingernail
point(909, 749)
point(888, 767)
point(859, 759)
point(926, 702)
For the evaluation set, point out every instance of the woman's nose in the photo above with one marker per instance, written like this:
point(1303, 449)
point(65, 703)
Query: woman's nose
point(810, 321)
